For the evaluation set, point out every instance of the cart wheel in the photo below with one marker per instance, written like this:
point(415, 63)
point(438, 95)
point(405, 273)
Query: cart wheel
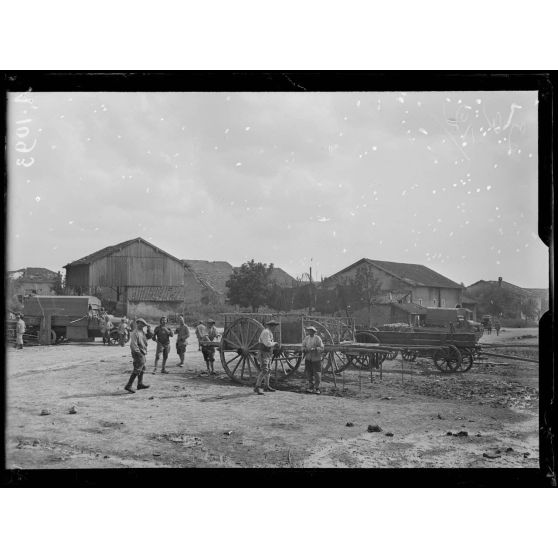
point(239, 349)
point(466, 359)
point(363, 360)
point(285, 364)
point(392, 355)
point(447, 359)
point(113, 338)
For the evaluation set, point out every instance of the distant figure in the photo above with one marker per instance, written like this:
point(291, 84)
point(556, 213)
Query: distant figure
point(497, 327)
point(201, 332)
point(123, 331)
point(162, 335)
point(312, 348)
point(267, 344)
point(209, 352)
point(20, 330)
point(489, 328)
point(182, 334)
point(452, 327)
point(138, 347)
point(106, 326)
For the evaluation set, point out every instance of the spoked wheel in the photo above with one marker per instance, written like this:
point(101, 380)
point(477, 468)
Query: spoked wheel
point(285, 364)
point(467, 358)
point(239, 350)
point(408, 355)
point(113, 338)
point(447, 359)
point(392, 355)
point(365, 360)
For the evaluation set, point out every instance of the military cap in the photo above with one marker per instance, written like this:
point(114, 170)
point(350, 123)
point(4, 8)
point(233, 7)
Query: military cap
point(272, 323)
point(311, 328)
point(210, 321)
point(141, 321)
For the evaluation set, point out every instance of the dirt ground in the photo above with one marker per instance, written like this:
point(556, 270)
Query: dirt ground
point(190, 420)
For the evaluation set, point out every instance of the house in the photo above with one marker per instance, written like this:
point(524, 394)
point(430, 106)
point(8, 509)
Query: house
point(383, 312)
point(33, 281)
point(213, 276)
point(542, 300)
point(135, 277)
point(471, 304)
point(404, 282)
point(282, 278)
point(501, 298)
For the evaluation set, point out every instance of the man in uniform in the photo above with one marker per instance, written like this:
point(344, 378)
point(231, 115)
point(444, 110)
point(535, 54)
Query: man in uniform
point(267, 344)
point(20, 330)
point(201, 332)
point(162, 335)
point(122, 331)
point(312, 349)
point(182, 334)
point(138, 346)
point(106, 326)
point(209, 333)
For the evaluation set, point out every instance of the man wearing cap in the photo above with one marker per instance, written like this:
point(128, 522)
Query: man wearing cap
point(312, 349)
point(267, 344)
point(20, 330)
point(162, 335)
point(122, 331)
point(182, 334)
point(138, 346)
point(201, 331)
point(209, 333)
point(106, 326)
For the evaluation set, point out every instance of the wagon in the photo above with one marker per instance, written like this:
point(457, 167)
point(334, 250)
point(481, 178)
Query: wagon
point(239, 344)
point(451, 352)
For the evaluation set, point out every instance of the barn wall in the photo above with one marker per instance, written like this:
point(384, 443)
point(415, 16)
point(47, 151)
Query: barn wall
point(429, 294)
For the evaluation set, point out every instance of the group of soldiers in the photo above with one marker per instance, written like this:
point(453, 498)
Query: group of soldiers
point(312, 349)
point(162, 336)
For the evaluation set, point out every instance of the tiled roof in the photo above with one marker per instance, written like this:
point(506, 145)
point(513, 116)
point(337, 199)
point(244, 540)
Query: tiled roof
point(211, 274)
point(468, 299)
point(34, 274)
point(409, 307)
point(108, 250)
point(413, 274)
point(156, 294)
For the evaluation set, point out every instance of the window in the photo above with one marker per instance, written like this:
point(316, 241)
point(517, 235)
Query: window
point(434, 302)
point(420, 301)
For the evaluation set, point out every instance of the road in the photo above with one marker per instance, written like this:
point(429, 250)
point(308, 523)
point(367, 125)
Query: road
point(186, 419)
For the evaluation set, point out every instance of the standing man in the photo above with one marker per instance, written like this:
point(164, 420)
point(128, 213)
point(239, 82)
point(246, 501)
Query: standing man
point(267, 344)
point(209, 352)
point(182, 334)
point(138, 346)
point(162, 335)
point(106, 326)
point(312, 349)
point(452, 328)
point(122, 331)
point(20, 330)
point(201, 332)
point(497, 328)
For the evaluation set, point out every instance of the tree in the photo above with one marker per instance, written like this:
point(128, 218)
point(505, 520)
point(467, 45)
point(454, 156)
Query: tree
point(366, 286)
point(58, 286)
point(250, 285)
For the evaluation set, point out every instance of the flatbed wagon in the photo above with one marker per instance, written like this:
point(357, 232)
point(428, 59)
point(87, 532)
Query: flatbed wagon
point(343, 345)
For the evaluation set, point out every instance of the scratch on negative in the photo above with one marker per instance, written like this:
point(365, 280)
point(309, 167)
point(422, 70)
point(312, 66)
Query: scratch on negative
point(294, 83)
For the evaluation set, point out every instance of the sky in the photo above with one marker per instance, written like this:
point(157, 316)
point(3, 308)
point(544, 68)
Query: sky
point(300, 180)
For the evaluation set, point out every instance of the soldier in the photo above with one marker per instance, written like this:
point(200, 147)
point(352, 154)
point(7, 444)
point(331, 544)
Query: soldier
point(209, 352)
point(201, 332)
point(312, 349)
point(497, 328)
point(122, 331)
point(162, 335)
point(182, 334)
point(106, 326)
point(20, 330)
point(138, 346)
point(267, 344)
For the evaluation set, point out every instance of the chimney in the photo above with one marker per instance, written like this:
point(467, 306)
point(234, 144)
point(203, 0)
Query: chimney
point(499, 281)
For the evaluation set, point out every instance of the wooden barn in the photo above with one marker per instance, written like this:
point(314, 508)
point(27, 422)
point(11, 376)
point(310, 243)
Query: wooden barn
point(135, 278)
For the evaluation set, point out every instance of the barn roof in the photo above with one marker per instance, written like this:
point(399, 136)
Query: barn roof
point(156, 294)
point(38, 274)
point(108, 250)
point(211, 274)
point(409, 307)
point(282, 278)
point(413, 274)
